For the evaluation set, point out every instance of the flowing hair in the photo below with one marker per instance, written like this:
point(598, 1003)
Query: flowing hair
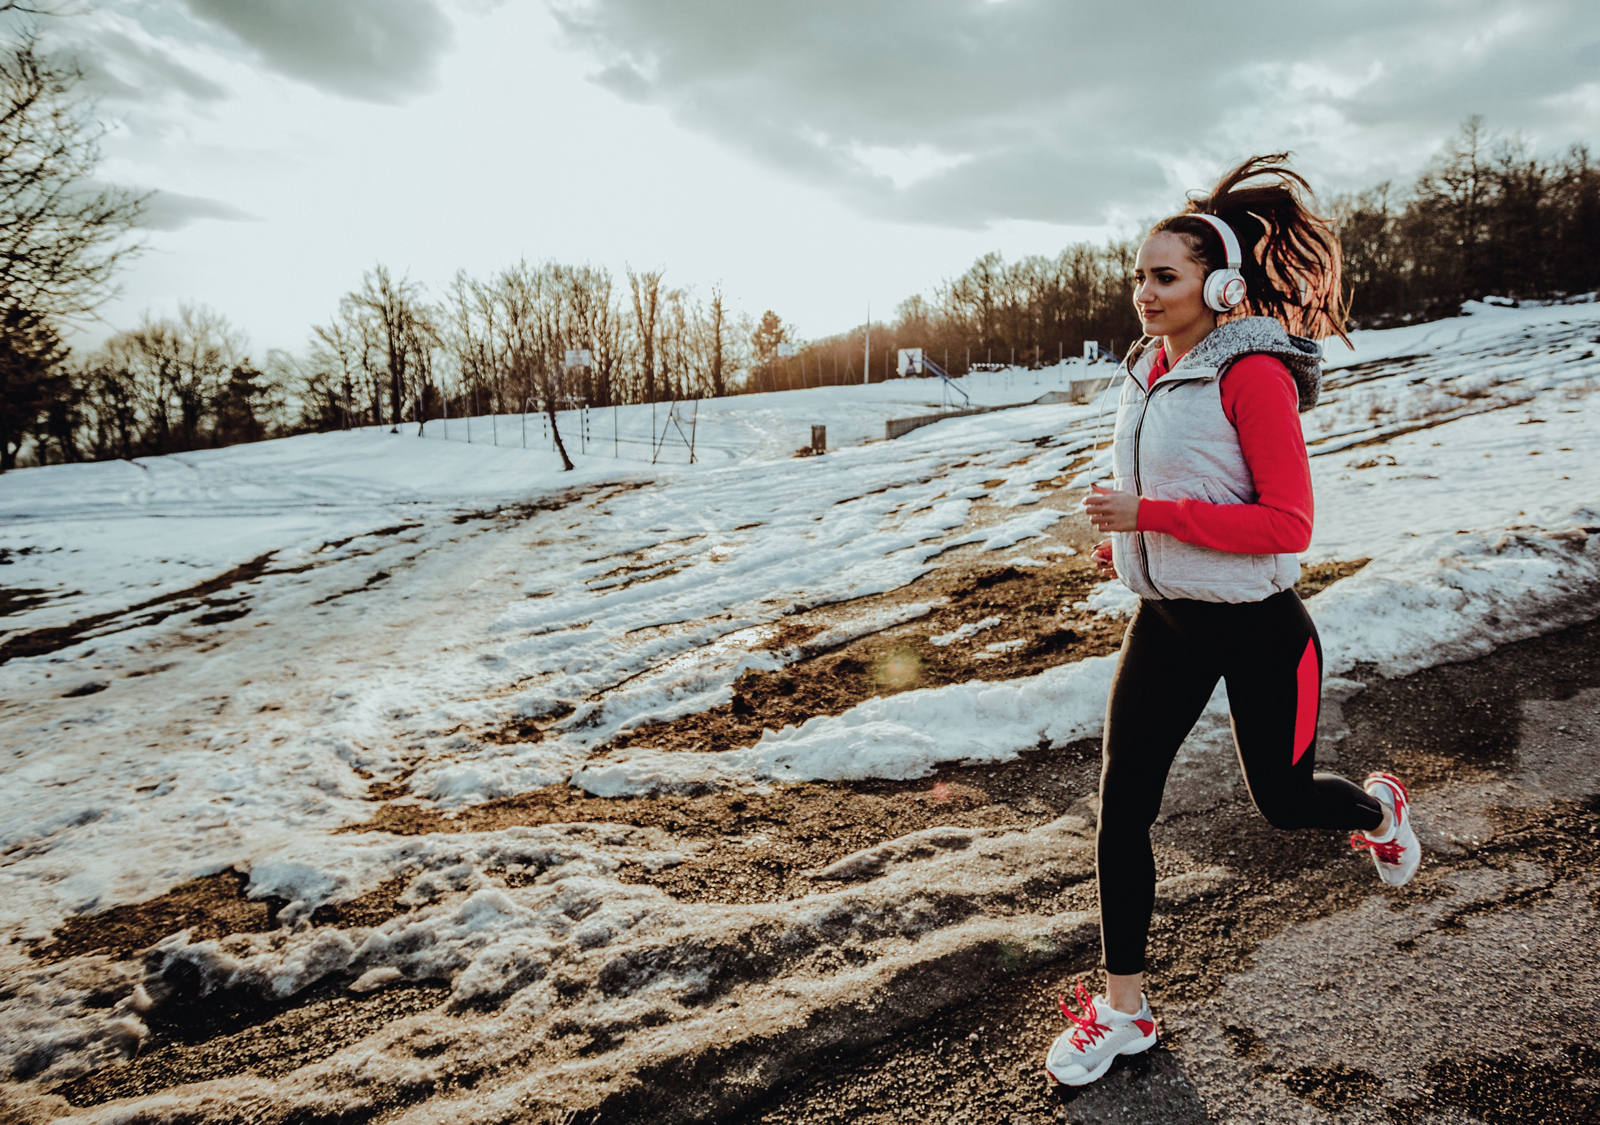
point(1291, 257)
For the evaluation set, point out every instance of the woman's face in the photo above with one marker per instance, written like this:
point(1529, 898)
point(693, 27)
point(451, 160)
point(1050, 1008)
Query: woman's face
point(1167, 284)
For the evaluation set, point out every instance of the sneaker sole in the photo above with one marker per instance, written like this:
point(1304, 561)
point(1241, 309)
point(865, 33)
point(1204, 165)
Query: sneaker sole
point(1137, 1047)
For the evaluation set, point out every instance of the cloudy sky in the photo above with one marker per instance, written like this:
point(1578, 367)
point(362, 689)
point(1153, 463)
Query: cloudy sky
point(810, 157)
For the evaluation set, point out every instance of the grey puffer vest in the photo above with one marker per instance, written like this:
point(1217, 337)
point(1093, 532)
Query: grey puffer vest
point(1174, 442)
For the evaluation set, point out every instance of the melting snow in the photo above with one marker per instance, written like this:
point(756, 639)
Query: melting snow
point(408, 595)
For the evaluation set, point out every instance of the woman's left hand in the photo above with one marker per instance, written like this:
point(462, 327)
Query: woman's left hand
point(1111, 510)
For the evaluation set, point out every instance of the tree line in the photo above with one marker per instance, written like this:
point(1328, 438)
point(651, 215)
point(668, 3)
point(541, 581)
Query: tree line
point(505, 344)
point(1485, 216)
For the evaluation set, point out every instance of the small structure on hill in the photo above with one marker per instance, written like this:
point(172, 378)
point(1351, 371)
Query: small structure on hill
point(1083, 388)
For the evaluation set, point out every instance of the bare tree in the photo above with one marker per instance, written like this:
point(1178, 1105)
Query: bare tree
point(175, 372)
point(391, 307)
point(1574, 198)
point(530, 333)
point(320, 393)
point(516, 291)
point(62, 236)
point(552, 308)
point(368, 353)
point(108, 411)
point(495, 360)
point(715, 332)
point(145, 360)
point(467, 338)
point(604, 336)
point(592, 322)
point(646, 289)
point(677, 345)
point(206, 347)
point(423, 339)
point(333, 357)
point(1453, 194)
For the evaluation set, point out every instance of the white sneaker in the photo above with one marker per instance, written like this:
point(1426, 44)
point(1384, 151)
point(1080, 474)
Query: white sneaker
point(1398, 853)
point(1097, 1037)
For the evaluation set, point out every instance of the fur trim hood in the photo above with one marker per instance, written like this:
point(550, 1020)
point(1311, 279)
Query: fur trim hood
point(1234, 339)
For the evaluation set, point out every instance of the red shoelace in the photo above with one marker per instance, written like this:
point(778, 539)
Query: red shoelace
point(1089, 1027)
point(1386, 850)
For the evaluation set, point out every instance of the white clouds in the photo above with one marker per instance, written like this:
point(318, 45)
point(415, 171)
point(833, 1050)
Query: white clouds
point(904, 165)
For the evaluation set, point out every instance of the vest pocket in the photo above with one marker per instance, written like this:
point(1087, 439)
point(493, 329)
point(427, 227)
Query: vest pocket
point(1210, 489)
point(1185, 570)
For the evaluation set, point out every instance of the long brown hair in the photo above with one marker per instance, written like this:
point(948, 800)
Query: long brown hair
point(1291, 256)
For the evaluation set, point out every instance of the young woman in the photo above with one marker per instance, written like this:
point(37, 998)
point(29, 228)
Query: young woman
point(1210, 505)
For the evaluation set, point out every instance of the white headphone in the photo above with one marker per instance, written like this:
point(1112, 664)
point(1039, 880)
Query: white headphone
point(1224, 288)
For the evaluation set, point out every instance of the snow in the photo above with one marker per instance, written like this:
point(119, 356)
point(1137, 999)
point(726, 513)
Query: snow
point(409, 595)
point(962, 632)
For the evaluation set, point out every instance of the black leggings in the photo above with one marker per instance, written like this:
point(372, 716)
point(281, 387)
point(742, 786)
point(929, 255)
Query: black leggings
point(1174, 651)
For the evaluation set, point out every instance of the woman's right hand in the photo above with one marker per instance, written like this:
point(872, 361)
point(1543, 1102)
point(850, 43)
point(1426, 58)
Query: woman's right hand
point(1102, 559)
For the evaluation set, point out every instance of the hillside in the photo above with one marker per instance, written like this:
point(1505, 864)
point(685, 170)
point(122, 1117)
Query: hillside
point(398, 778)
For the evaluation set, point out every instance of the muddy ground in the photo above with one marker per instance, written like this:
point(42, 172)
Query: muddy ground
point(1293, 989)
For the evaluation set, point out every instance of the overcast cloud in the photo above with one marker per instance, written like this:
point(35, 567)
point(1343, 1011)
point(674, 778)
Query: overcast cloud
point(1076, 112)
point(172, 210)
point(117, 66)
point(376, 50)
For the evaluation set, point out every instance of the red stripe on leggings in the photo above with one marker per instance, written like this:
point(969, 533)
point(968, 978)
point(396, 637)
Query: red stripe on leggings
point(1308, 687)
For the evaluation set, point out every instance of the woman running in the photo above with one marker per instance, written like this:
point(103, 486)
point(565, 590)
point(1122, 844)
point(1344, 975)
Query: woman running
point(1210, 506)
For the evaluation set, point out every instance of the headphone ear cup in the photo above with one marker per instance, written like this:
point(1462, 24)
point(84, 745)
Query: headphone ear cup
point(1224, 290)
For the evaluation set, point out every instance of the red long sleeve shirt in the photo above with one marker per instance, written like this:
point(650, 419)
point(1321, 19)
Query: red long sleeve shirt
point(1260, 399)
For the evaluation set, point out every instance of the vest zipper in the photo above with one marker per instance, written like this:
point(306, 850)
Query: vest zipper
point(1144, 552)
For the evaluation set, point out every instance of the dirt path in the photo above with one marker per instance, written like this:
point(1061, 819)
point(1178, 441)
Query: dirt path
point(1289, 987)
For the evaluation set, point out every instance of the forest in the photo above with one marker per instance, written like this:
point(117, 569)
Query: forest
point(1486, 216)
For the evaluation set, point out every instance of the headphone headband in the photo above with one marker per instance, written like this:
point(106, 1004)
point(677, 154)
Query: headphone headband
point(1230, 242)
